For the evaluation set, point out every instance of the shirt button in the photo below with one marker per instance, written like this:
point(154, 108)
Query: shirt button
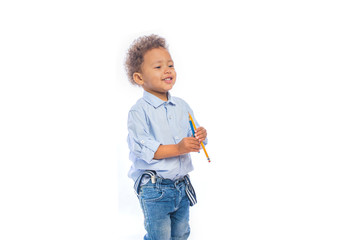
point(176, 137)
point(169, 116)
point(142, 141)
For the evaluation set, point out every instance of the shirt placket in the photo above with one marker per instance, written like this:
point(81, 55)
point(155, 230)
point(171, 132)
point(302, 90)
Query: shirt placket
point(173, 130)
point(170, 119)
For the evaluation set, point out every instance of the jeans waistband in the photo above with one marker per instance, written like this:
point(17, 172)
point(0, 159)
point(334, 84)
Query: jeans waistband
point(166, 181)
point(158, 180)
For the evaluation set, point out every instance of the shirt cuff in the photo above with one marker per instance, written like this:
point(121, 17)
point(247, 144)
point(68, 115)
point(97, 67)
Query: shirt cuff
point(149, 147)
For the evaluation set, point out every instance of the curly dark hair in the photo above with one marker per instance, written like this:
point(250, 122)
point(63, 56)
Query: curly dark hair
point(137, 50)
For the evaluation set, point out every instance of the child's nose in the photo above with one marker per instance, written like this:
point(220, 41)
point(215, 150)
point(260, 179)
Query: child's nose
point(167, 70)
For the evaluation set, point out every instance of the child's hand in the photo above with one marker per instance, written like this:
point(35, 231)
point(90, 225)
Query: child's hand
point(187, 145)
point(201, 134)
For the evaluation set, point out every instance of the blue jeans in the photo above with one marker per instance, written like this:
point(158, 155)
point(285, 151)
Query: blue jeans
point(165, 207)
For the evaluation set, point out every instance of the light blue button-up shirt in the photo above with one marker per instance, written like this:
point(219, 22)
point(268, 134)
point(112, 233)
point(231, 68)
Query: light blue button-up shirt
point(153, 122)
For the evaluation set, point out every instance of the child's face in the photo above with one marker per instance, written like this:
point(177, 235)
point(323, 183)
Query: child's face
point(157, 75)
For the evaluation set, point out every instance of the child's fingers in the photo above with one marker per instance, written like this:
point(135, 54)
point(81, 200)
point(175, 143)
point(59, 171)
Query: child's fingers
point(193, 144)
point(200, 130)
point(201, 133)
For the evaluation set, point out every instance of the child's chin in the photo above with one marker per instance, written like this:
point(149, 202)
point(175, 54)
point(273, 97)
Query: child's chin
point(170, 85)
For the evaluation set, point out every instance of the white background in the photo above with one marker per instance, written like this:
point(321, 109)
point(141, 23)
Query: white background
point(261, 77)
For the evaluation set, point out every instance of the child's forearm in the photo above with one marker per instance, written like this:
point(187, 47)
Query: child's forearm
point(166, 151)
point(186, 145)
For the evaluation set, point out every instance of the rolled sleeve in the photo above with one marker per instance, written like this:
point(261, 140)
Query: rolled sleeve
point(141, 142)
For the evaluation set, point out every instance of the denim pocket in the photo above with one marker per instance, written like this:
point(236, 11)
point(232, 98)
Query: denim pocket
point(150, 194)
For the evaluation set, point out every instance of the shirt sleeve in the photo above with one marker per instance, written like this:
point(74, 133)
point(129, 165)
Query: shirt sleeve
point(140, 140)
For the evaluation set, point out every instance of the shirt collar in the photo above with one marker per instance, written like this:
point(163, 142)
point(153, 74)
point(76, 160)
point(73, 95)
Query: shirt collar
point(155, 101)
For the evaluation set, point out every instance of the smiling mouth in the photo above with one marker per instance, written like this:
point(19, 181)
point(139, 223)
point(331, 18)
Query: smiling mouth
point(168, 79)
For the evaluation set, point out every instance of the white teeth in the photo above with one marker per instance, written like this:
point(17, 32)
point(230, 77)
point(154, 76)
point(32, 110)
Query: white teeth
point(167, 79)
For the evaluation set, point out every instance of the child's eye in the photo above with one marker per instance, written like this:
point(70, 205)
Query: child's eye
point(158, 67)
point(171, 66)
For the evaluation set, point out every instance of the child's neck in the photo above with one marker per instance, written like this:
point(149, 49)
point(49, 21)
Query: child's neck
point(162, 96)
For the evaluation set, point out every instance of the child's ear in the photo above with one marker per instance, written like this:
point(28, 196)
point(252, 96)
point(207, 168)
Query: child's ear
point(138, 78)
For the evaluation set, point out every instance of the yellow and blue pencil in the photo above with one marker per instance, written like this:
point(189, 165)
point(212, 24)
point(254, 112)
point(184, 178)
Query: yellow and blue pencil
point(193, 128)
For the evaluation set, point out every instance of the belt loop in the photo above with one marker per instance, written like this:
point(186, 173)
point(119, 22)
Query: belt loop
point(158, 182)
point(176, 182)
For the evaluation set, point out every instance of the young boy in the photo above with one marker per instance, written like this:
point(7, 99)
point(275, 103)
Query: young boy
point(160, 140)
